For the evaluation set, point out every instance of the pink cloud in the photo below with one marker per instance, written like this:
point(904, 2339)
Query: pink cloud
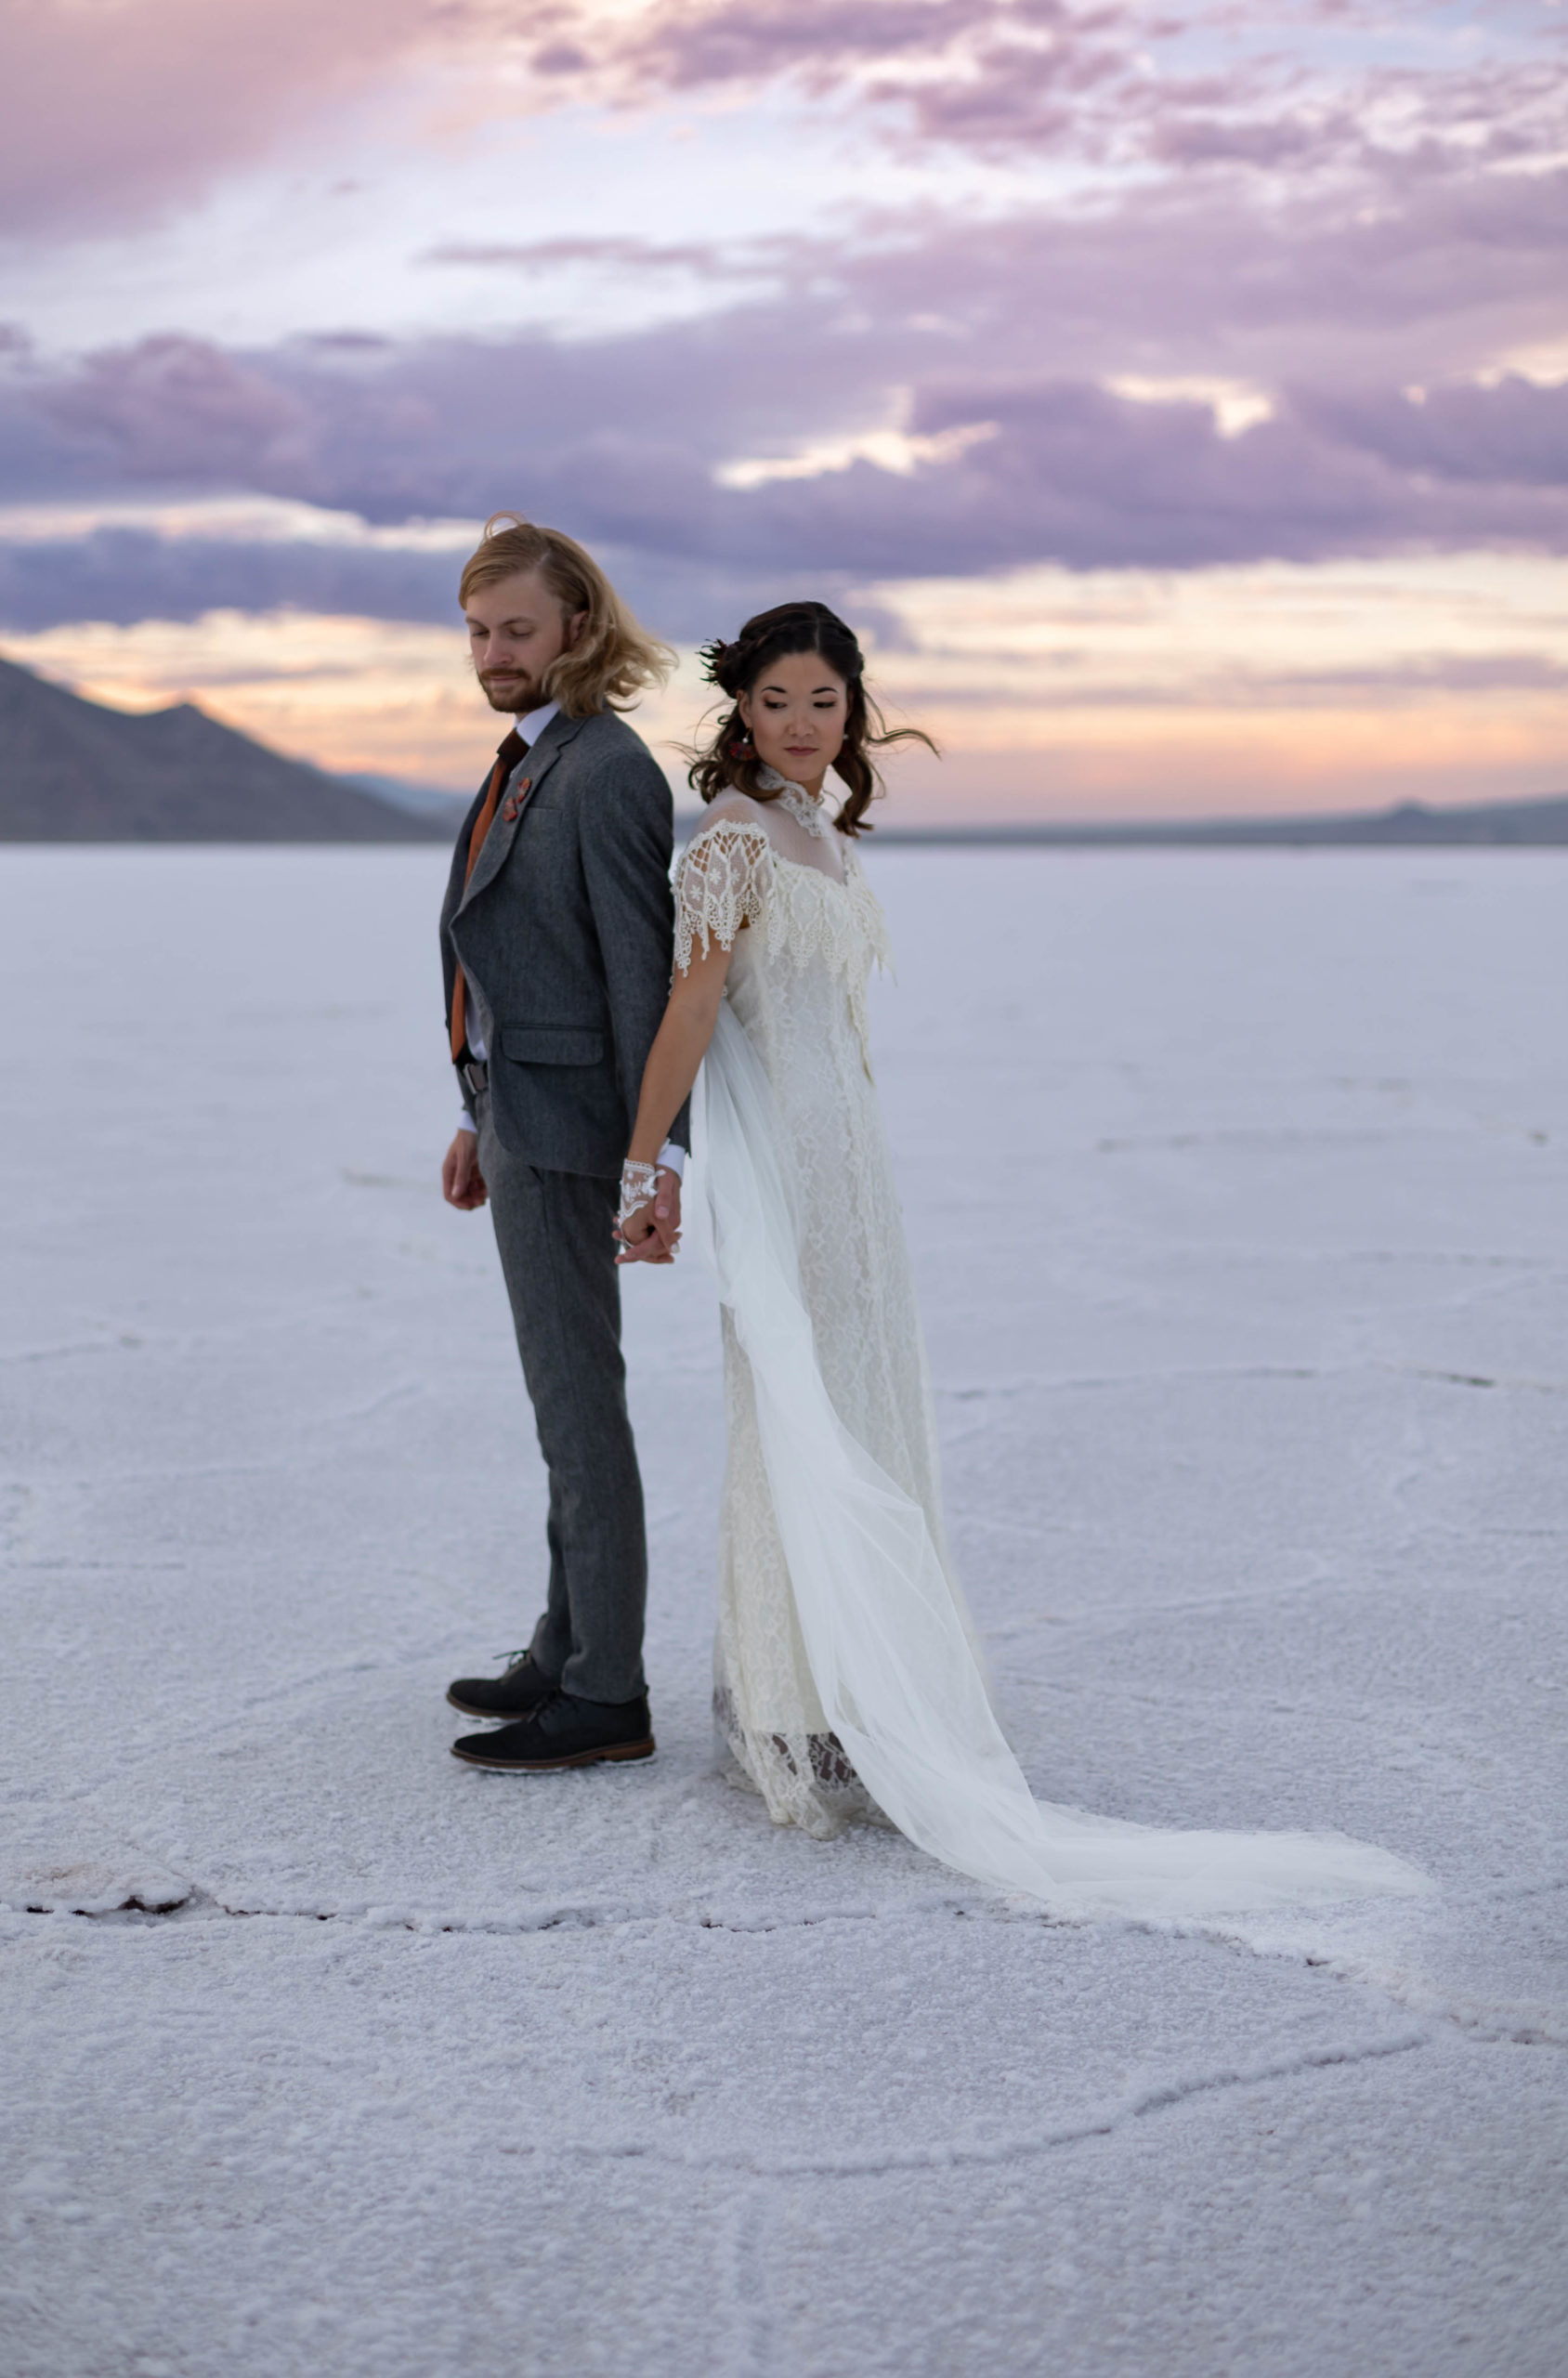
point(111, 114)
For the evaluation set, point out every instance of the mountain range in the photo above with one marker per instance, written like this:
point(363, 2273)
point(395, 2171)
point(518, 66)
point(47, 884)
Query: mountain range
point(76, 771)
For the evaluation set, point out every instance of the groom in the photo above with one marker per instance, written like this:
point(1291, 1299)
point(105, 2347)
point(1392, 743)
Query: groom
point(556, 937)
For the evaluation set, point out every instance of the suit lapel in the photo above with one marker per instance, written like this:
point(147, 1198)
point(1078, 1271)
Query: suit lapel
point(540, 759)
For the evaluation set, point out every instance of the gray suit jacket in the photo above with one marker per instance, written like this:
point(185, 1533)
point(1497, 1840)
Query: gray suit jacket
point(567, 929)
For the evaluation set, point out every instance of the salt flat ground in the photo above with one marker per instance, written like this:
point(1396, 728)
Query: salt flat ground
point(1238, 1188)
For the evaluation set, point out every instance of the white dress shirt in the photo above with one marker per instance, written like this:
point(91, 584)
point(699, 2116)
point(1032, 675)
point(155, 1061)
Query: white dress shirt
point(530, 726)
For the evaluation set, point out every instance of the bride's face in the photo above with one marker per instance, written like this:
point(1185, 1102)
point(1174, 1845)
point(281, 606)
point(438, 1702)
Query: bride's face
point(796, 713)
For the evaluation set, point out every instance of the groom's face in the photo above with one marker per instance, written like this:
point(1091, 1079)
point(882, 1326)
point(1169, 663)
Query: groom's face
point(516, 629)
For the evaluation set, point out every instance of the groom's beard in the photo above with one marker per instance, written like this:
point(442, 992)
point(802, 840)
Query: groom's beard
point(517, 693)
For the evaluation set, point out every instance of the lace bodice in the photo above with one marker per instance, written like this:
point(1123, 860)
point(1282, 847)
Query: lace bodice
point(778, 867)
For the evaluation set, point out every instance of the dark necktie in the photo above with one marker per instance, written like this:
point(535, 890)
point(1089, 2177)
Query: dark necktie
point(506, 759)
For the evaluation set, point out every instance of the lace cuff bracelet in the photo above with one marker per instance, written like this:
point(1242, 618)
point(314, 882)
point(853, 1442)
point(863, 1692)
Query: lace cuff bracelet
point(638, 1182)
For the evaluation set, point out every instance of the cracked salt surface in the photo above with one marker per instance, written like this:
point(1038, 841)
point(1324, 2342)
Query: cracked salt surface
point(1229, 1179)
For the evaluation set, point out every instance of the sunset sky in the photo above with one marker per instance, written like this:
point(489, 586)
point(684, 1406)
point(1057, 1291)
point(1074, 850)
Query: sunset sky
point(1176, 395)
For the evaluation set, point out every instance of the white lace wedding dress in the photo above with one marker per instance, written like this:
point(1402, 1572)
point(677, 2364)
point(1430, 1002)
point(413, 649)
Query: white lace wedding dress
point(845, 1680)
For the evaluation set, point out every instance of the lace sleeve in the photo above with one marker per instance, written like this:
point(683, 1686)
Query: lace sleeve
point(723, 883)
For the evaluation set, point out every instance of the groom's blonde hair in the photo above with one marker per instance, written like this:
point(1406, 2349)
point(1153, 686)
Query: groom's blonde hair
point(613, 659)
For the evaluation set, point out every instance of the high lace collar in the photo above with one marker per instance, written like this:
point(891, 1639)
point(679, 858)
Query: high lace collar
point(803, 807)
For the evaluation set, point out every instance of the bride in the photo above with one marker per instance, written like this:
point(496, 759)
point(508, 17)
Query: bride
point(846, 1679)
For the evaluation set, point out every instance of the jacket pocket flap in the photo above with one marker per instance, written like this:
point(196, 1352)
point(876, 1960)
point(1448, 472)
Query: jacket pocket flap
point(552, 1044)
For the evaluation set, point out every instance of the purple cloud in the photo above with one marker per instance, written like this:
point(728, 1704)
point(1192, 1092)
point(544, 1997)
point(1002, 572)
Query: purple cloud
point(1514, 431)
point(1115, 82)
point(707, 259)
point(122, 575)
point(1027, 327)
point(751, 41)
point(177, 411)
point(1061, 469)
point(1326, 297)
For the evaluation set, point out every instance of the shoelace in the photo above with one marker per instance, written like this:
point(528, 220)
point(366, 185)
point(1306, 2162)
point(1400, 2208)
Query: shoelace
point(553, 1693)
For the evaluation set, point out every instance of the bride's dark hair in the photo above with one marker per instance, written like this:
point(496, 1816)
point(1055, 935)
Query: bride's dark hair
point(729, 758)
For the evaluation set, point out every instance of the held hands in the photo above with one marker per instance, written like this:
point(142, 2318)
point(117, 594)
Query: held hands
point(649, 1227)
point(463, 1184)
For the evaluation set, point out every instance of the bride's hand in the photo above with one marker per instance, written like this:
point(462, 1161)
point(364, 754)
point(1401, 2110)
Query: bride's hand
point(640, 1243)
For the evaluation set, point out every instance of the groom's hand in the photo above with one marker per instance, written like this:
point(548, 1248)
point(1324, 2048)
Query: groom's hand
point(463, 1184)
point(667, 1212)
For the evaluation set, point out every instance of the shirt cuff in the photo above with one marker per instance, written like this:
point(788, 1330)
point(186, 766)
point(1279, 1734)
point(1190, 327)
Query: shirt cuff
point(672, 1156)
point(465, 1121)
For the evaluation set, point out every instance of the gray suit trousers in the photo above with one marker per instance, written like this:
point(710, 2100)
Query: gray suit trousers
point(553, 1230)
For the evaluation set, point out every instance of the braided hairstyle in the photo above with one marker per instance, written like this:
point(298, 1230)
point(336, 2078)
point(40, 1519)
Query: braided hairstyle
point(729, 758)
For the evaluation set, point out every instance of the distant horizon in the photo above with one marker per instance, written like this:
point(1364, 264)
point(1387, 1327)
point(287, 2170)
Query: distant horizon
point(688, 809)
point(935, 808)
